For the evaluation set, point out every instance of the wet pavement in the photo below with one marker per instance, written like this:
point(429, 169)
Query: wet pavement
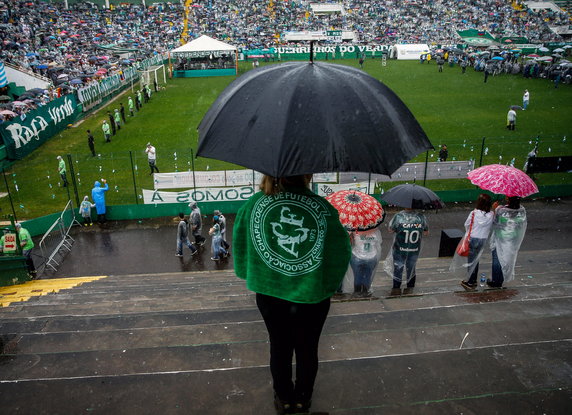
point(148, 246)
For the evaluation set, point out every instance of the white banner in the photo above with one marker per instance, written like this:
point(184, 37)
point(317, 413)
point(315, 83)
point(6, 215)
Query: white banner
point(326, 189)
point(185, 179)
point(219, 194)
point(325, 177)
point(435, 170)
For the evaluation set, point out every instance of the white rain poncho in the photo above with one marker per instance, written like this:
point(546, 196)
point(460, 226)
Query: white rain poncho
point(366, 253)
point(508, 229)
point(465, 265)
point(409, 226)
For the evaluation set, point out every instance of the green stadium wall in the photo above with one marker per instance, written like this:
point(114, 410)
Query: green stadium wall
point(39, 226)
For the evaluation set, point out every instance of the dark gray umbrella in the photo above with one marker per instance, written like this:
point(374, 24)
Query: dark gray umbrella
point(299, 118)
point(412, 196)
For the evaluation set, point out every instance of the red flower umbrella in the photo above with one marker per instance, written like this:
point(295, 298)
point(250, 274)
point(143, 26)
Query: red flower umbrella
point(358, 211)
point(505, 180)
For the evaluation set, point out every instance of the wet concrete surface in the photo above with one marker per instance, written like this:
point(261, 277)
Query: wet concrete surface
point(148, 246)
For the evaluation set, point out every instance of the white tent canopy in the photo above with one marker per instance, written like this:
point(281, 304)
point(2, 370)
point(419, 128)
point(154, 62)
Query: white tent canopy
point(203, 45)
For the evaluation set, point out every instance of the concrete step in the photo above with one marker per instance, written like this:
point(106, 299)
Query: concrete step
point(493, 380)
point(243, 344)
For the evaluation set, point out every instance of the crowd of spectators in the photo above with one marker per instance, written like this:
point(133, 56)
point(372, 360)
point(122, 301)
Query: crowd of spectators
point(52, 41)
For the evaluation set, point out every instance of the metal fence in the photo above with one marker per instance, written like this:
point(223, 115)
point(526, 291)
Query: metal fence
point(57, 239)
point(34, 188)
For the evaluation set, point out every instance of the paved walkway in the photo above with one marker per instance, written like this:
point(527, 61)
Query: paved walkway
point(148, 246)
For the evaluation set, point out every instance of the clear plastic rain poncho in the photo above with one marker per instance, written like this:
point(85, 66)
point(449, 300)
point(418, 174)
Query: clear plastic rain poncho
point(409, 226)
point(509, 227)
point(366, 253)
point(480, 232)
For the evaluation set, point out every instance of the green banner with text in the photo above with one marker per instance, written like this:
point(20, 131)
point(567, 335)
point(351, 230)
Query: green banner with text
point(22, 136)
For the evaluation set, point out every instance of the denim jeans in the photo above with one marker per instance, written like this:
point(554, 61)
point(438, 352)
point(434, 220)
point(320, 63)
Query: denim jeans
point(404, 260)
point(185, 241)
point(293, 328)
point(497, 276)
point(217, 249)
point(475, 246)
point(363, 272)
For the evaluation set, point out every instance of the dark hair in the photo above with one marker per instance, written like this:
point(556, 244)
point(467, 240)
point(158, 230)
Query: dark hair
point(274, 185)
point(181, 215)
point(484, 202)
point(513, 202)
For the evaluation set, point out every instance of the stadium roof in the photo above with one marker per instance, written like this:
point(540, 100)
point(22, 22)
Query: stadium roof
point(204, 44)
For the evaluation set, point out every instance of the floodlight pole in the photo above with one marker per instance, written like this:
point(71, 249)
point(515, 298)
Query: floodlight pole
point(9, 194)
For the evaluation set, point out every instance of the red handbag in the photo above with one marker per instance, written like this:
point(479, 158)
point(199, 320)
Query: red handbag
point(463, 247)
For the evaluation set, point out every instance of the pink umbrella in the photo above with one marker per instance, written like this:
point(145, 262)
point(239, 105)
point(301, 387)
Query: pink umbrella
point(358, 211)
point(8, 112)
point(501, 179)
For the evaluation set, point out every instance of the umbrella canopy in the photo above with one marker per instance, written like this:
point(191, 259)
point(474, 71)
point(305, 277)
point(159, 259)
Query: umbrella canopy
point(504, 180)
point(358, 211)
point(8, 112)
point(5, 98)
point(412, 196)
point(299, 118)
point(497, 58)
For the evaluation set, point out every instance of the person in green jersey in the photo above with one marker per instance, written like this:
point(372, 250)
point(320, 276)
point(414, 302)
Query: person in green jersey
point(292, 250)
point(409, 227)
point(130, 105)
point(27, 244)
point(62, 170)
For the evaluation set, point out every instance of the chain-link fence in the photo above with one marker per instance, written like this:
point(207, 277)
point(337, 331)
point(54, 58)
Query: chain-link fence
point(33, 187)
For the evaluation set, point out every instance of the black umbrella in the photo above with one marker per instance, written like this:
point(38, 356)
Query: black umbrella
point(412, 196)
point(299, 118)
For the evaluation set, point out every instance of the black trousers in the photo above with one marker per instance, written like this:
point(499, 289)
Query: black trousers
point(293, 327)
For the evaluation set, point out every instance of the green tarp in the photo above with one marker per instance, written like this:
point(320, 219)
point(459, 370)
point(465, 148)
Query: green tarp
point(475, 37)
point(21, 137)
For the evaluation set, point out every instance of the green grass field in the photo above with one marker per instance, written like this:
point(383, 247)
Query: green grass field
point(454, 109)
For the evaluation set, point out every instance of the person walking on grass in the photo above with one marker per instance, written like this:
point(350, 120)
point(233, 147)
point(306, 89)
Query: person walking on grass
point(130, 105)
point(111, 122)
point(117, 119)
point(106, 131)
point(152, 158)
point(62, 170)
point(525, 99)
point(511, 119)
point(91, 142)
point(122, 112)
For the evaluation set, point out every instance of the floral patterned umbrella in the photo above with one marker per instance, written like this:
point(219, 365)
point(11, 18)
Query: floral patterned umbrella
point(505, 180)
point(358, 211)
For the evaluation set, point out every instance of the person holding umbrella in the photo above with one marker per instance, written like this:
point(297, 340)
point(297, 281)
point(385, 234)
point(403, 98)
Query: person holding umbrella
point(477, 228)
point(292, 250)
point(361, 215)
point(509, 224)
point(508, 229)
point(409, 227)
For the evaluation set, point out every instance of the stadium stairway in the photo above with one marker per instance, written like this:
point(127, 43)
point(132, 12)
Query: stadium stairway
point(194, 343)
